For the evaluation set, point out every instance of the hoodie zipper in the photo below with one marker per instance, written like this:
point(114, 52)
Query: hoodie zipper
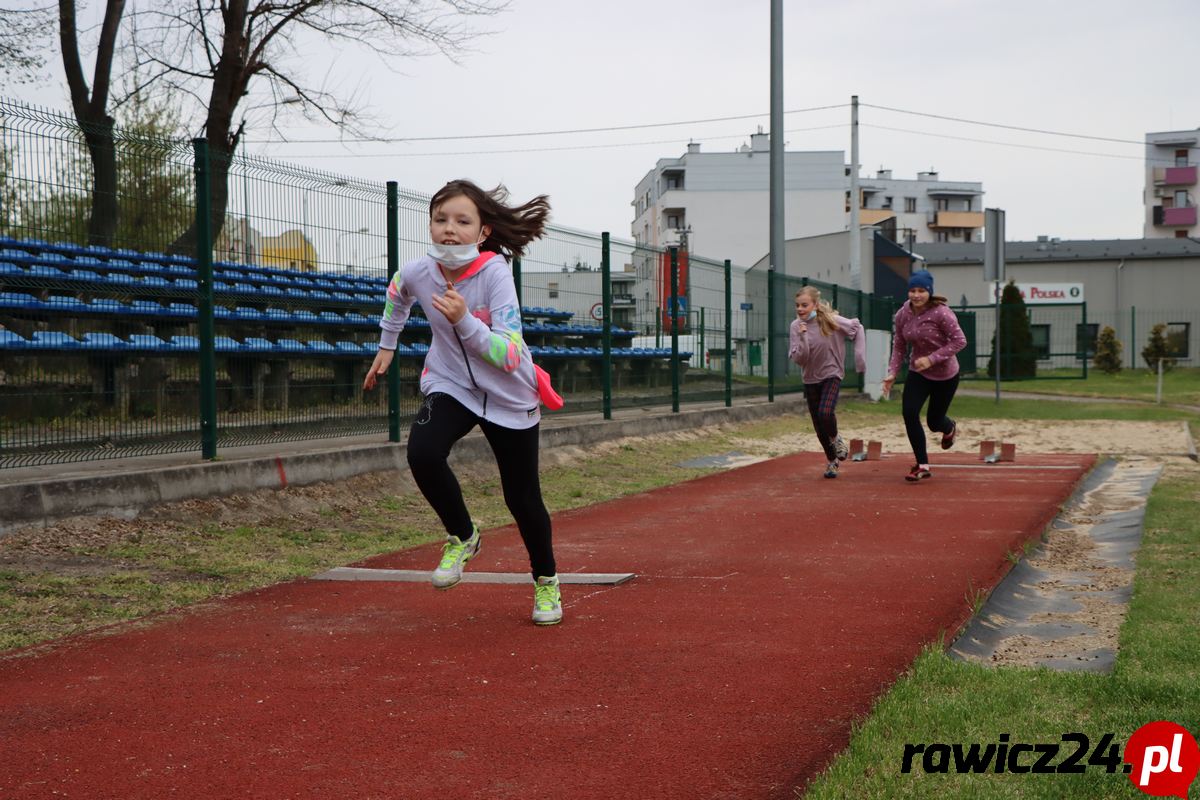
point(466, 360)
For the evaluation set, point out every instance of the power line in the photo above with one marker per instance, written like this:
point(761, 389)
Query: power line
point(536, 133)
point(1004, 144)
point(543, 149)
point(1000, 125)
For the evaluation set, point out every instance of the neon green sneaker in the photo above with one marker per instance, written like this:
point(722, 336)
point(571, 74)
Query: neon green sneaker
point(547, 601)
point(455, 554)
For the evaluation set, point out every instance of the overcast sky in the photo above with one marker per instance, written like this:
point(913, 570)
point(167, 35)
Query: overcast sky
point(1101, 68)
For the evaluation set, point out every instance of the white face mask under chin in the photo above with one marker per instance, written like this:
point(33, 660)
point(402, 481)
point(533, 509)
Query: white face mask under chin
point(454, 255)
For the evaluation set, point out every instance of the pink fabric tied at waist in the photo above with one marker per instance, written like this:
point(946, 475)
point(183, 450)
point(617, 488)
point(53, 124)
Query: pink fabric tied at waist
point(550, 398)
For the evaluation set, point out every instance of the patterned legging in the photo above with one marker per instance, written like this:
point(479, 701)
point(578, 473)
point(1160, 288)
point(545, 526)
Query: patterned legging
point(822, 404)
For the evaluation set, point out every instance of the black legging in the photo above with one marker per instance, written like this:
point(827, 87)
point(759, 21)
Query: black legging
point(440, 423)
point(822, 407)
point(918, 389)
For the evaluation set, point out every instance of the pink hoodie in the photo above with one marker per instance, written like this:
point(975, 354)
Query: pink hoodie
point(822, 356)
point(934, 334)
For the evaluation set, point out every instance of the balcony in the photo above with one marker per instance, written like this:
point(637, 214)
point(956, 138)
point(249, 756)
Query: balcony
point(956, 219)
point(622, 300)
point(1179, 176)
point(1182, 216)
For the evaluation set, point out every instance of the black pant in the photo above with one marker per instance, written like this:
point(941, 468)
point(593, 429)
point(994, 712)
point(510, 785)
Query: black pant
point(440, 423)
point(822, 407)
point(918, 389)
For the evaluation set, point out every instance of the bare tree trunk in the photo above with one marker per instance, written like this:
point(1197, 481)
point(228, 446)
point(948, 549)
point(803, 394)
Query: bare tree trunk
point(229, 85)
point(91, 112)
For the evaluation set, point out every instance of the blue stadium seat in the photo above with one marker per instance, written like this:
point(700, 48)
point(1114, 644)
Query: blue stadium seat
point(106, 305)
point(53, 259)
point(369, 299)
point(121, 264)
point(304, 315)
point(19, 300)
point(278, 314)
point(69, 248)
point(355, 318)
point(245, 288)
point(181, 310)
point(289, 345)
point(420, 347)
point(43, 271)
point(154, 280)
point(65, 303)
point(122, 278)
point(88, 262)
point(220, 286)
point(224, 344)
point(372, 348)
point(243, 312)
point(184, 343)
point(257, 344)
point(53, 340)
point(341, 297)
point(9, 268)
point(298, 294)
point(319, 294)
point(146, 307)
point(15, 256)
point(221, 312)
point(320, 346)
point(102, 341)
point(186, 284)
point(332, 317)
point(12, 340)
point(146, 341)
point(349, 348)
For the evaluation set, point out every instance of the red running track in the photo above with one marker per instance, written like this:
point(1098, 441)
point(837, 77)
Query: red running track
point(771, 608)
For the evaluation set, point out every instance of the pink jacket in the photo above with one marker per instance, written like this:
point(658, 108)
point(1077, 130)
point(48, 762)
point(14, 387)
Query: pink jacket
point(934, 334)
point(822, 357)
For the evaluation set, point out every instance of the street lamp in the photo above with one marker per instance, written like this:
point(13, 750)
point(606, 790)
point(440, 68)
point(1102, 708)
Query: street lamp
point(304, 205)
point(337, 245)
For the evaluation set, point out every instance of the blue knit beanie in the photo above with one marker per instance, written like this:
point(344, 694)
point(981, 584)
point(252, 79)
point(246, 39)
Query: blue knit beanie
point(922, 279)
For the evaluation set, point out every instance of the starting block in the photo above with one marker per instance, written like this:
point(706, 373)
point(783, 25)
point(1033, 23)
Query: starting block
point(872, 452)
point(990, 454)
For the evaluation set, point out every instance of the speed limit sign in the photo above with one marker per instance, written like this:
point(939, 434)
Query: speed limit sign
point(598, 312)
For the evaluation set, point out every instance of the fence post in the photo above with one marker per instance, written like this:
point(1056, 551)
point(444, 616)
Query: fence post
point(728, 333)
point(771, 336)
point(1085, 340)
point(606, 302)
point(206, 326)
point(673, 315)
point(1132, 337)
point(516, 271)
point(700, 339)
point(393, 261)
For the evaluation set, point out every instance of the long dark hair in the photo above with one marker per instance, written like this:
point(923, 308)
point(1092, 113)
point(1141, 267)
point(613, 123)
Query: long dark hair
point(513, 227)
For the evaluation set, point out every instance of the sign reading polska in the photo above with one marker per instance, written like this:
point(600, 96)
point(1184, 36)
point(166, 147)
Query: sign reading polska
point(1034, 293)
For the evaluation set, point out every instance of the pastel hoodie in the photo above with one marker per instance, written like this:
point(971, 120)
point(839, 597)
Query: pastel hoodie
point(822, 357)
point(482, 361)
point(934, 334)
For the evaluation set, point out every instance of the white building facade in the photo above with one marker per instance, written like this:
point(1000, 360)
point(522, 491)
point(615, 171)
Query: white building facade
point(927, 209)
point(1170, 194)
point(721, 201)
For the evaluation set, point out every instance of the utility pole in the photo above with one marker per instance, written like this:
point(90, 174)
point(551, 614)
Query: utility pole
point(855, 236)
point(776, 258)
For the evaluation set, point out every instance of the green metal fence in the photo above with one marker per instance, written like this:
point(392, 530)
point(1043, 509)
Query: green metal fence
point(235, 301)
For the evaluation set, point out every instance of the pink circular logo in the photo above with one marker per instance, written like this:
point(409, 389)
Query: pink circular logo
point(1164, 758)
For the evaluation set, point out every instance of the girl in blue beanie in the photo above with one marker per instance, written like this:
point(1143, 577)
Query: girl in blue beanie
point(930, 327)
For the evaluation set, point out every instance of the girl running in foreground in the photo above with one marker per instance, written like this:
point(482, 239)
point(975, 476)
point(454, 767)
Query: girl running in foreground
point(478, 372)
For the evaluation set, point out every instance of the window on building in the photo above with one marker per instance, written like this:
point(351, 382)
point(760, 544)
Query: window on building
point(673, 221)
point(1181, 198)
point(1085, 338)
point(847, 202)
point(910, 205)
point(942, 204)
point(1181, 158)
point(942, 236)
point(966, 234)
point(887, 202)
point(1177, 335)
point(1041, 340)
point(1181, 234)
point(553, 289)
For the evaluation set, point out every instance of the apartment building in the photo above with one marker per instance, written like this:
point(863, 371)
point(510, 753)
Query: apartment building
point(721, 201)
point(1170, 194)
point(927, 209)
